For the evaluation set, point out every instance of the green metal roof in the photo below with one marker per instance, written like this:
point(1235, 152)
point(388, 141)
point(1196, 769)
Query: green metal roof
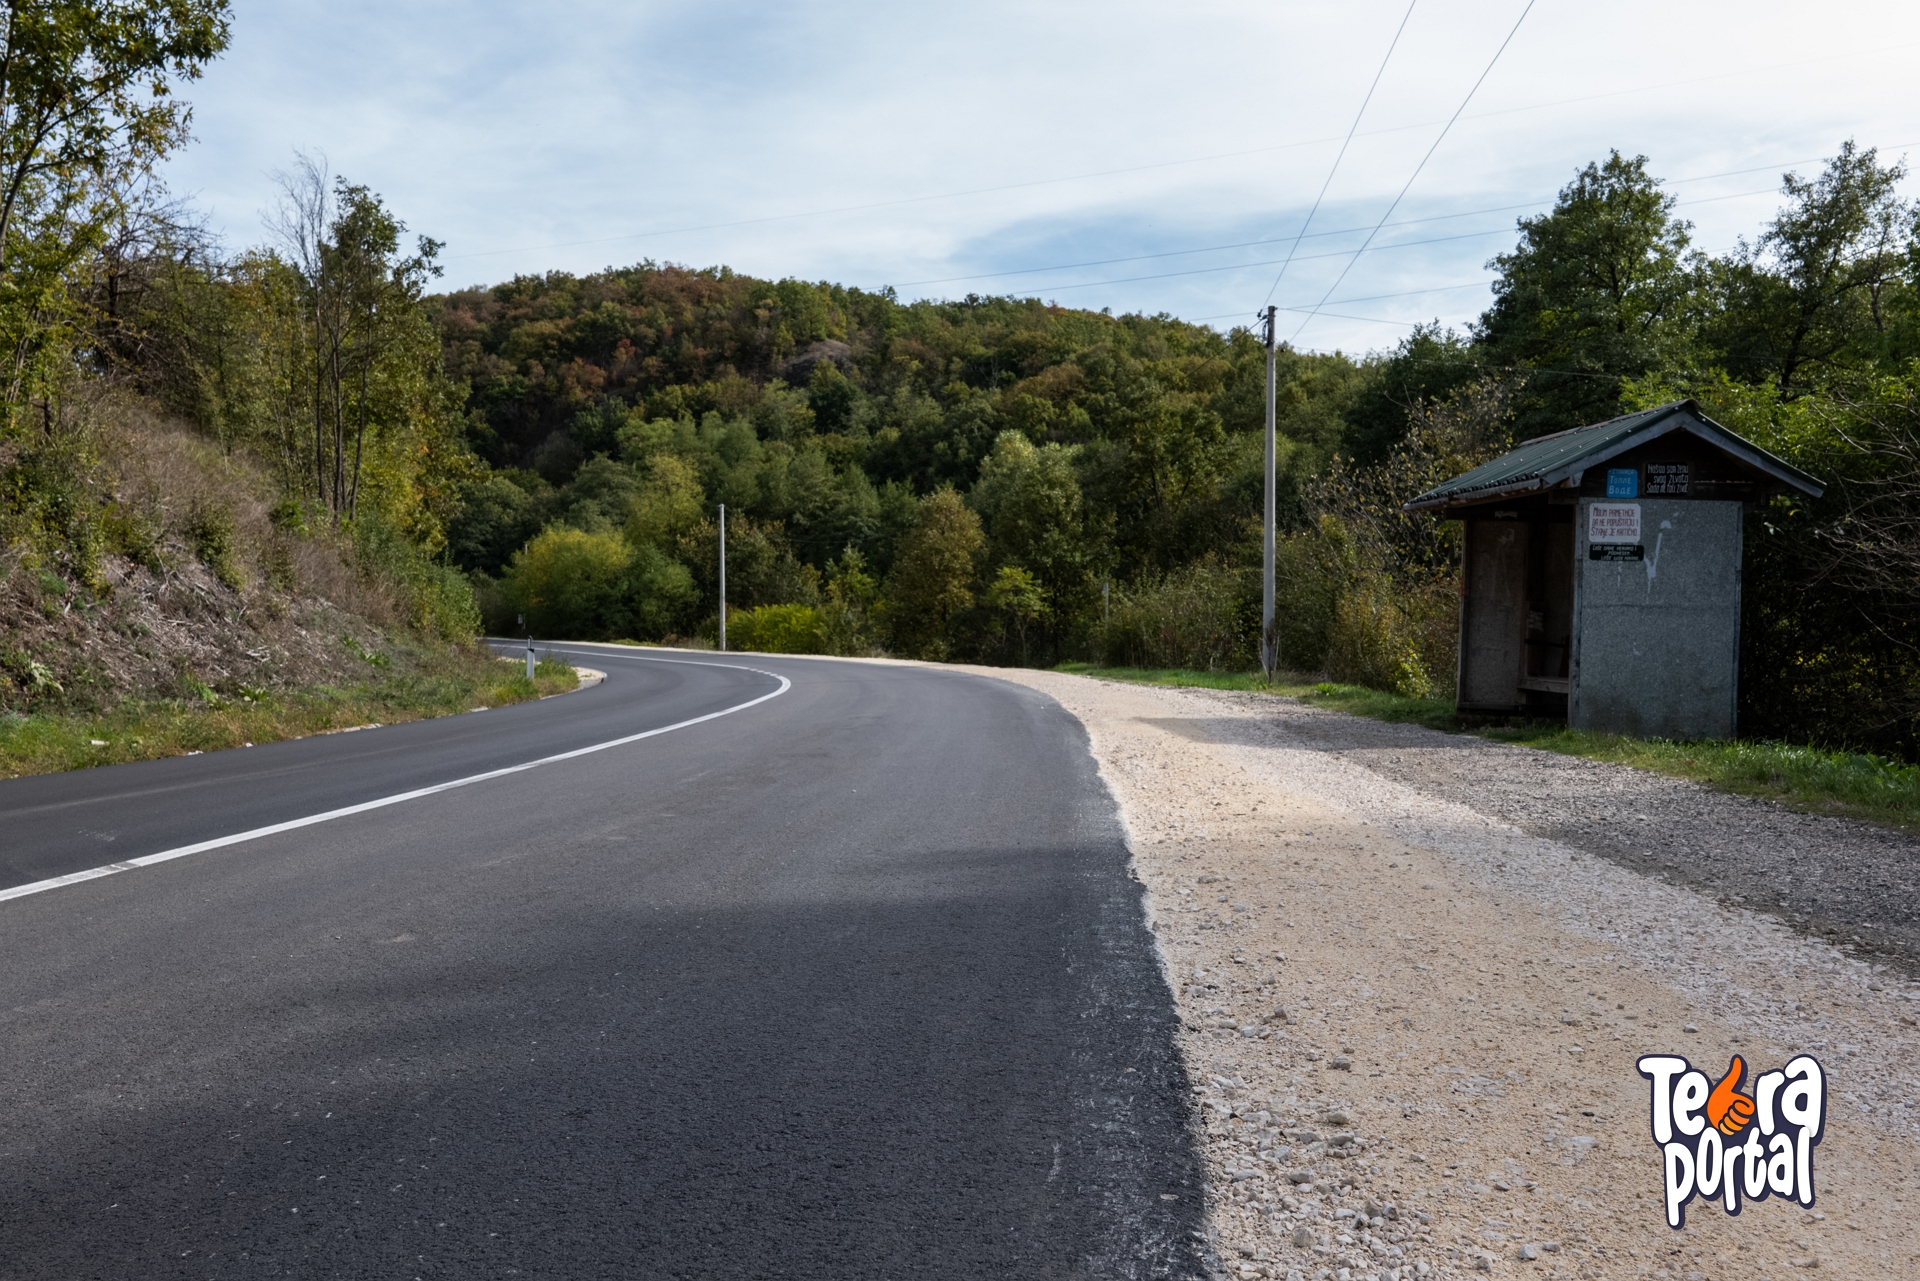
point(1551, 460)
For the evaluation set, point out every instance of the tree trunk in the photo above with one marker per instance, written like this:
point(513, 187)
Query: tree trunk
point(359, 444)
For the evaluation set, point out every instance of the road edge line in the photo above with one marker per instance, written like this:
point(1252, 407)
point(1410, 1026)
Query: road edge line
point(274, 829)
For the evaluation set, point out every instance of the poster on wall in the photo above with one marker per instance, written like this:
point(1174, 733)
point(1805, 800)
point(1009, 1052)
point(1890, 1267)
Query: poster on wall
point(1613, 523)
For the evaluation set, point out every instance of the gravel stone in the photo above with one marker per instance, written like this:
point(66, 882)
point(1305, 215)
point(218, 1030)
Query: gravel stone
point(1457, 1007)
point(1828, 876)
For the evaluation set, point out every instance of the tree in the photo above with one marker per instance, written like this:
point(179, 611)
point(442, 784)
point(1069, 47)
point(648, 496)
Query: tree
point(1816, 281)
point(86, 110)
point(1427, 366)
point(496, 518)
point(595, 586)
point(361, 305)
point(851, 594)
point(761, 566)
point(1600, 288)
point(933, 576)
point(670, 501)
point(1031, 504)
point(1019, 595)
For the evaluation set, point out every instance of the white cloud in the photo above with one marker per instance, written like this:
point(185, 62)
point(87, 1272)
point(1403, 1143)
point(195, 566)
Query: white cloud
point(516, 132)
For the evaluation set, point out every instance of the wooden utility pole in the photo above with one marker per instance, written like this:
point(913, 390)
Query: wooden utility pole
point(1269, 633)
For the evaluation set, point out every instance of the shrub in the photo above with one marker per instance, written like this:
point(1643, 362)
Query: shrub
point(209, 530)
point(1200, 617)
point(438, 599)
point(778, 629)
point(596, 587)
point(1310, 572)
point(571, 584)
point(1386, 637)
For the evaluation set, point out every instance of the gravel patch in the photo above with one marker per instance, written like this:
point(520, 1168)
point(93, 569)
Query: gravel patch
point(1415, 972)
point(1845, 880)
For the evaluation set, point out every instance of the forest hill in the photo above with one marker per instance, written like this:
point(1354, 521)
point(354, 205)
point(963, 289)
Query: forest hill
point(961, 479)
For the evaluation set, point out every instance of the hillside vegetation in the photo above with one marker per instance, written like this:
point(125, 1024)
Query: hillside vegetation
point(222, 480)
point(1004, 480)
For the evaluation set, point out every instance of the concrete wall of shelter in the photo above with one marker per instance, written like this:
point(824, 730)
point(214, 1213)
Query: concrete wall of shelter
point(1657, 642)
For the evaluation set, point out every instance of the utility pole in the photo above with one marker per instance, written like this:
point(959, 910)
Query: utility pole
point(723, 577)
point(1269, 633)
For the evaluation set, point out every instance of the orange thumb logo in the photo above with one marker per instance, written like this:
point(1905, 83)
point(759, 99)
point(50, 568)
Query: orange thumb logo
point(1717, 1143)
point(1728, 1109)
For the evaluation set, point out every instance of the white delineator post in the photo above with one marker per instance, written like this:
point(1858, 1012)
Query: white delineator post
point(1269, 635)
point(529, 658)
point(723, 578)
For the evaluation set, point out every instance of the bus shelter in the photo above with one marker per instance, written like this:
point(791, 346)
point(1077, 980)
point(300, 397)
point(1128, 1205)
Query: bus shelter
point(1601, 576)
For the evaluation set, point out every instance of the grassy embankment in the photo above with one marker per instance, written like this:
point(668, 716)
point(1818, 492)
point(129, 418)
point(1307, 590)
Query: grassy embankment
point(412, 683)
point(1848, 784)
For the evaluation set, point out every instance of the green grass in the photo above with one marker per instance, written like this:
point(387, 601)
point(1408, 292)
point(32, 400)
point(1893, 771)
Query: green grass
point(1846, 784)
point(1204, 680)
point(1850, 784)
point(434, 684)
point(1372, 703)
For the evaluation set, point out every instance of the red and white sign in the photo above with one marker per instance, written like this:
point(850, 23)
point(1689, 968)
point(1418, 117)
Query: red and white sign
point(1613, 523)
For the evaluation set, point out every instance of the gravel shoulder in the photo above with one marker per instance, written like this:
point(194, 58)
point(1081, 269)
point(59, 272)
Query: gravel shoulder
point(1415, 972)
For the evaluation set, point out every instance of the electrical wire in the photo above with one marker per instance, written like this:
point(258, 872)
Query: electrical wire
point(1163, 164)
point(1391, 46)
point(1448, 128)
point(1404, 222)
point(1336, 253)
point(1244, 266)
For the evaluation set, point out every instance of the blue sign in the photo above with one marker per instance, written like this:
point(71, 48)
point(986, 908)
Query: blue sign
point(1623, 482)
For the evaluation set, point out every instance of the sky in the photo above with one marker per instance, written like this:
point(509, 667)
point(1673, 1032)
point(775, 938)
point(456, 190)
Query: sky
point(1141, 158)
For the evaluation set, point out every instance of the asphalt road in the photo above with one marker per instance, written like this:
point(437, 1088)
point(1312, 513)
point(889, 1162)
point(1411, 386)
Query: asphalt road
point(853, 983)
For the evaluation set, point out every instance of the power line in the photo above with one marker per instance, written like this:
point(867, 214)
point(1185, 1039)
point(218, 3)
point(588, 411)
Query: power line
point(1423, 160)
point(1163, 164)
point(1344, 231)
point(1391, 46)
point(1208, 249)
point(1404, 222)
point(1244, 266)
point(1341, 302)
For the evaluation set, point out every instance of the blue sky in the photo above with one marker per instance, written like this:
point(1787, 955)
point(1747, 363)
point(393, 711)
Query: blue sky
point(940, 147)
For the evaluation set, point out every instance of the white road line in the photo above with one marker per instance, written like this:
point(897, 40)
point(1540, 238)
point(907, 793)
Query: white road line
point(148, 860)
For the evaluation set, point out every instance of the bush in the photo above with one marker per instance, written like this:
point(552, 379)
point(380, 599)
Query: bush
point(1393, 635)
point(1201, 617)
point(210, 532)
point(1310, 572)
point(570, 584)
point(438, 599)
point(597, 587)
point(778, 629)
point(1369, 642)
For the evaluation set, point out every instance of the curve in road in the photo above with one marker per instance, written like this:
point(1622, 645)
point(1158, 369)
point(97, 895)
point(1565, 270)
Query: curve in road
point(855, 983)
